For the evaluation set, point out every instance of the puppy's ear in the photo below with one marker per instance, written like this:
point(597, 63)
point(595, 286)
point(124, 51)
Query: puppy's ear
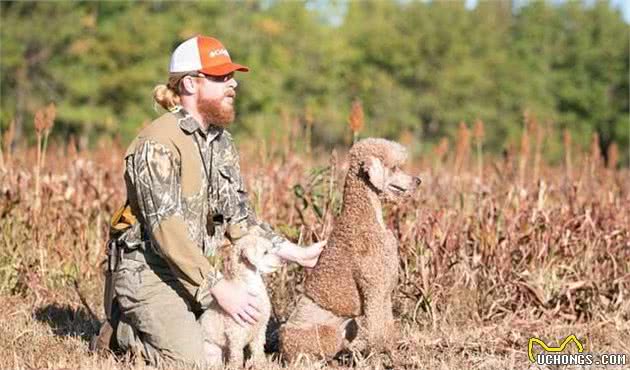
point(257, 253)
point(253, 247)
point(376, 173)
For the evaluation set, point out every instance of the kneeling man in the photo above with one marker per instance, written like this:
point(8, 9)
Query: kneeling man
point(185, 198)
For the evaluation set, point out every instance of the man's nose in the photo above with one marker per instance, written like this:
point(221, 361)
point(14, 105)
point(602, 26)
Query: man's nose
point(232, 83)
point(417, 180)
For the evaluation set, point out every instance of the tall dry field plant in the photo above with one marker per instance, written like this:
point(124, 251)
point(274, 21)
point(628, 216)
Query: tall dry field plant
point(568, 152)
point(612, 156)
point(481, 269)
point(356, 120)
point(525, 148)
point(462, 149)
point(44, 121)
point(478, 134)
point(535, 130)
point(595, 158)
point(6, 146)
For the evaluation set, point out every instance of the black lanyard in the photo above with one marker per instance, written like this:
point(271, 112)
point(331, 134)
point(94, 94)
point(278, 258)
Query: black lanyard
point(210, 214)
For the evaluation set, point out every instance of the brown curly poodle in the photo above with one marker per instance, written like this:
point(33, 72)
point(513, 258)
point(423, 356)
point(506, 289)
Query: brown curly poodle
point(348, 296)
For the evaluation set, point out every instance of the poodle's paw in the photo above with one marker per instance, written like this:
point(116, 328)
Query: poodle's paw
point(359, 345)
point(256, 362)
point(392, 336)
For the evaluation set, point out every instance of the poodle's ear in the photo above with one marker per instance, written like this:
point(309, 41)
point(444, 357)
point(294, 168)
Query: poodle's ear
point(376, 173)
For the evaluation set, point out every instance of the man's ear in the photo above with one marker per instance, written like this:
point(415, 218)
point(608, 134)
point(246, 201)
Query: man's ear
point(187, 85)
point(376, 173)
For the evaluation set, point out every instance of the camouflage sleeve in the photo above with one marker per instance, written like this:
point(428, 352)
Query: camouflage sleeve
point(247, 214)
point(158, 189)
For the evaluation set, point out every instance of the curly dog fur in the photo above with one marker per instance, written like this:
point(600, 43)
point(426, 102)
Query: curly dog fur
point(358, 269)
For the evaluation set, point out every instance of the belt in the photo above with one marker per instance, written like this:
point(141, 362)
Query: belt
point(140, 252)
point(136, 255)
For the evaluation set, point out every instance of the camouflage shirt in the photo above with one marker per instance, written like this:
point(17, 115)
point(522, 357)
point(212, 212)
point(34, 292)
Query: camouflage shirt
point(185, 187)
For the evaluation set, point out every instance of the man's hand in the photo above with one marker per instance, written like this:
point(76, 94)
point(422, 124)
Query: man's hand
point(305, 256)
point(238, 301)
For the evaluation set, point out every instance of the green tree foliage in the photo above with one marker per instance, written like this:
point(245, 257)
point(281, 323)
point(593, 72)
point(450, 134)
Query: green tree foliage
point(418, 67)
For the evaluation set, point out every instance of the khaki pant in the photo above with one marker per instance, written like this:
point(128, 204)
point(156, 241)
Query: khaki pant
point(157, 321)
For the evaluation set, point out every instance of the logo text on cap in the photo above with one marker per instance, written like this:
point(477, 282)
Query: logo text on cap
point(217, 52)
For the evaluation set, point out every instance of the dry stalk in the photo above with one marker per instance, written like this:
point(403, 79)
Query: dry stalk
point(406, 138)
point(356, 119)
point(44, 121)
point(330, 197)
point(596, 154)
point(440, 152)
point(50, 113)
point(7, 141)
point(478, 134)
point(524, 151)
point(2, 166)
point(462, 152)
point(71, 148)
point(40, 125)
point(538, 132)
point(566, 140)
point(286, 139)
point(308, 120)
point(612, 156)
point(296, 127)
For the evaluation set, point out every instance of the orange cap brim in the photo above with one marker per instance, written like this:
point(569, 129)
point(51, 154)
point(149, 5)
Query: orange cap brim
point(223, 69)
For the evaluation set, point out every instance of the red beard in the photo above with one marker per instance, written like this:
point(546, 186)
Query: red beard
point(214, 113)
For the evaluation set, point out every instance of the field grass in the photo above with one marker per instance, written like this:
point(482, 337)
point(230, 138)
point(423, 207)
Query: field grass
point(493, 252)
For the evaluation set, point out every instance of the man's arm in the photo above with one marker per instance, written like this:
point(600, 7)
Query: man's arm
point(158, 189)
point(281, 246)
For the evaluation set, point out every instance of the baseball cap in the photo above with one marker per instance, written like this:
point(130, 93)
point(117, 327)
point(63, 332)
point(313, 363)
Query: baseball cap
point(204, 54)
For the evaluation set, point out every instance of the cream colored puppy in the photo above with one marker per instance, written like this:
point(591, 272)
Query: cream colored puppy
point(249, 258)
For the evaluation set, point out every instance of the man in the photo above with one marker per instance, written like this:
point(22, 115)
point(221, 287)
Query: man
point(185, 189)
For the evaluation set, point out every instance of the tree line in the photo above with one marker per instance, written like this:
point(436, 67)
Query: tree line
point(418, 69)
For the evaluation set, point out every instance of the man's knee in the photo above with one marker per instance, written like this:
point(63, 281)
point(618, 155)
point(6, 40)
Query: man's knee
point(163, 342)
point(191, 353)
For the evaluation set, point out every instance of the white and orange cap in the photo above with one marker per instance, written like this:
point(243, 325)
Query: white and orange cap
point(204, 54)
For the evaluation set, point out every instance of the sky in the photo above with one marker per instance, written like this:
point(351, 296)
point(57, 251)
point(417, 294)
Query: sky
point(333, 11)
point(624, 5)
